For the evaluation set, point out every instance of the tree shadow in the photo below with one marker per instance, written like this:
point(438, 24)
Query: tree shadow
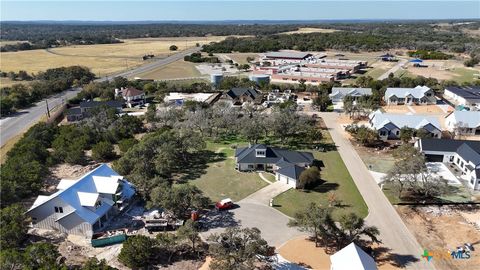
point(382, 256)
point(197, 165)
point(325, 187)
point(219, 219)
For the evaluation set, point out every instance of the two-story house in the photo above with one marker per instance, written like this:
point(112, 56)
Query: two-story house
point(132, 96)
point(83, 206)
point(286, 164)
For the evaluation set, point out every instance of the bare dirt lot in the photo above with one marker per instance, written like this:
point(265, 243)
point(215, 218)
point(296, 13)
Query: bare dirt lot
point(444, 229)
point(303, 252)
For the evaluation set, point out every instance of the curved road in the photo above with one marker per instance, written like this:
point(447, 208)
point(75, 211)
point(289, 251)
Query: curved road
point(23, 119)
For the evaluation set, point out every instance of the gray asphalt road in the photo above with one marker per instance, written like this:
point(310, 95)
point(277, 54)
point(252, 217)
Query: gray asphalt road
point(393, 232)
point(19, 122)
point(152, 65)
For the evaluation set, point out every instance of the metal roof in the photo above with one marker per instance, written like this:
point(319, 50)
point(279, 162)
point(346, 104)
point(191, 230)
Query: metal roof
point(469, 119)
point(340, 92)
point(284, 54)
point(352, 257)
point(381, 120)
point(468, 150)
point(110, 103)
point(81, 194)
point(416, 92)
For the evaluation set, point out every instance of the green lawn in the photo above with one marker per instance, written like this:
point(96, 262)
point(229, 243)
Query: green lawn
point(337, 180)
point(221, 180)
point(375, 72)
point(465, 74)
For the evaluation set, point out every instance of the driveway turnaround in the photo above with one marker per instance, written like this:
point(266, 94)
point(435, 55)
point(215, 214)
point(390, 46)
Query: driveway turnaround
point(393, 232)
point(254, 211)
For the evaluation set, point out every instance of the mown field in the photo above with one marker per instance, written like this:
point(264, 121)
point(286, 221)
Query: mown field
point(102, 59)
point(177, 69)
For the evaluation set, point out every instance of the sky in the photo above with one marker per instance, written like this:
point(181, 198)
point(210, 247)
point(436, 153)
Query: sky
point(236, 10)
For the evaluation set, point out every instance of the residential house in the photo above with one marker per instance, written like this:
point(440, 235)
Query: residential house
point(389, 125)
point(464, 122)
point(461, 154)
point(180, 98)
point(132, 96)
point(238, 96)
point(420, 95)
point(85, 108)
point(338, 93)
point(286, 164)
point(83, 206)
point(352, 257)
point(468, 96)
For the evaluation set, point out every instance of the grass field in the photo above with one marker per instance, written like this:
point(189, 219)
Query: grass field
point(7, 82)
point(102, 59)
point(178, 69)
point(337, 179)
point(221, 180)
point(241, 58)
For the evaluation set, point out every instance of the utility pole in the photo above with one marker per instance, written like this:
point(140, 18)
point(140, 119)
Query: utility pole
point(48, 110)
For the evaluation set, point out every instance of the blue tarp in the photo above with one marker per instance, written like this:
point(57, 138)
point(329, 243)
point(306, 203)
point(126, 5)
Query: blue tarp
point(416, 60)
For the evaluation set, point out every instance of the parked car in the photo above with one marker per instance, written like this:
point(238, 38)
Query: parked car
point(224, 204)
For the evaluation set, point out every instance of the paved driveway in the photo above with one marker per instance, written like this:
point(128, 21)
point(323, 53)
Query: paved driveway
point(393, 232)
point(254, 211)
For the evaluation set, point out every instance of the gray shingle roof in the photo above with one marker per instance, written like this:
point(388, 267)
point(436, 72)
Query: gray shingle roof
point(292, 171)
point(74, 111)
point(238, 92)
point(340, 92)
point(469, 93)
point(468, 150)
point(273, 155)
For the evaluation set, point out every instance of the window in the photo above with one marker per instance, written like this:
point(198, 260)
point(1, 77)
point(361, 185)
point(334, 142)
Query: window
point(58, 209)
point(397, 133)
point(250, 166)
point(451, 158)
point(98, 204)
point(383, 133)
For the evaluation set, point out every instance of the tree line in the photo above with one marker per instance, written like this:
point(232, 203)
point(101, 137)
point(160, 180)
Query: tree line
point(355, 37)
point(46, 83)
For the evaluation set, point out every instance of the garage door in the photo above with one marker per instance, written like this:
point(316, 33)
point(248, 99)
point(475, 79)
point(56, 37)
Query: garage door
point(434, 158)
point(287, 180)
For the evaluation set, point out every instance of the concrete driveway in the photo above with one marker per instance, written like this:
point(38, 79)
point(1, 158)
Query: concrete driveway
point(254, 211)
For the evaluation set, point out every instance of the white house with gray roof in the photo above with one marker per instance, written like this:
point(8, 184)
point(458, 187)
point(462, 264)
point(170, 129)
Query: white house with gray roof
point(463, 154)
point(82, 206)
point(286, 164)
point(464, 122)
point(419, 95)
point(389, 125)
point(338, 93)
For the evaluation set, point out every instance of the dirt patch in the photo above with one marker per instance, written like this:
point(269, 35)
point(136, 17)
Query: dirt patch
point(442, 229)
point(402, 109)
point(303, 252)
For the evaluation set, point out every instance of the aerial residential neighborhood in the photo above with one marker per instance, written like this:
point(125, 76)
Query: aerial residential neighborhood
point(231, 136)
